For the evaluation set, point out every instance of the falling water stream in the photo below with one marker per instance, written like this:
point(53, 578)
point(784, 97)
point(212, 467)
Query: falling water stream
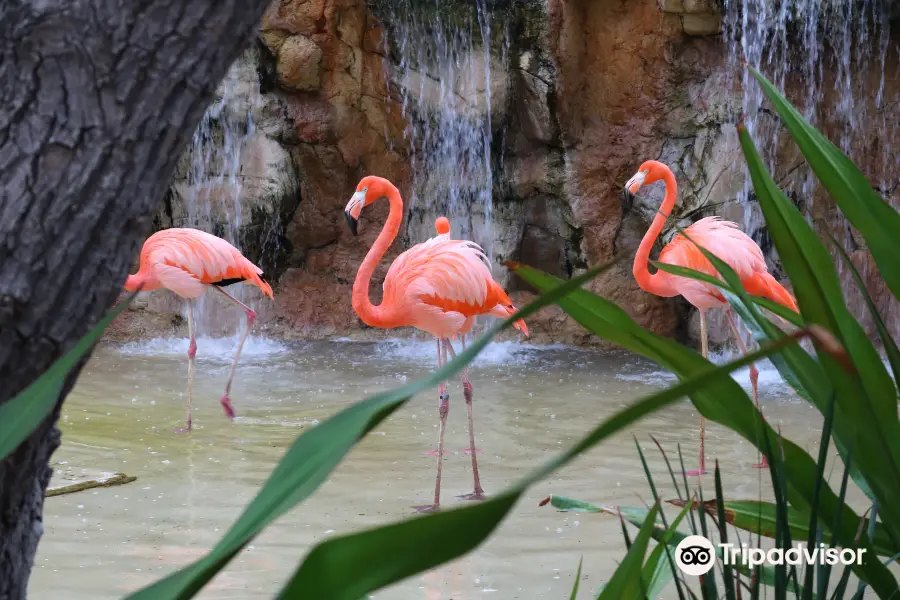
point(445, 69)
point(831, 58)
point(213, 184)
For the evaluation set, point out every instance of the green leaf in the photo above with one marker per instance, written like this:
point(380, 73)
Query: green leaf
point(671, 537)
point(866, 410)
point(875, 219)
point(658, 570)
point(316, 453)
point(773, 307)
point(817, 287)
point(626, 582)
point(798, 369)
point(28, 409)
point(887, 342)
point(381, 556)
point(738, 414)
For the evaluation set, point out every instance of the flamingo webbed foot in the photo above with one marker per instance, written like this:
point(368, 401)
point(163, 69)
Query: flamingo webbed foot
point(468, 451)
point(477, 496)
point(695, 472)
point(226, 406)
point(427, 508)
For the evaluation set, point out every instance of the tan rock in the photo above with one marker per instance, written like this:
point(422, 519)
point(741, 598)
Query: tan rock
point(273, 39)
point(295, 16)
point(702, 24)
point(299, 63)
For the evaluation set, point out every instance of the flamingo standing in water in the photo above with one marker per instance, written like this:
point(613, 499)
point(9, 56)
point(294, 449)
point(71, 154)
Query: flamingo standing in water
point(438, 286)
point(187, 261)
point(721, 238)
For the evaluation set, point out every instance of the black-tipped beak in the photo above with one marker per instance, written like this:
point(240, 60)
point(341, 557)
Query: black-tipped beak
point(628, 197)
point(351, 222)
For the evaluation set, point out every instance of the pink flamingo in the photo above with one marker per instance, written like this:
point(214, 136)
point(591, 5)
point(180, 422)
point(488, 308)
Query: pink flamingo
point(724, 240)
point(187, 261)
point(501, 311)
point(438, 286)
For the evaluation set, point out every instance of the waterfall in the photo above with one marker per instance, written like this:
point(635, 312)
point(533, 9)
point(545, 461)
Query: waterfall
point(829, 56)
point(209, 193)
point(445, 69)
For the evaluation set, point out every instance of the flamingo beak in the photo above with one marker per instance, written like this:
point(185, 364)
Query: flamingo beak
point(634, 184)
point(351, 222)
point(354, 207)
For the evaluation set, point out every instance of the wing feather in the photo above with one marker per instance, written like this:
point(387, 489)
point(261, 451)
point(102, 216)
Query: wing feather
point(443, 271)
point(207, 258)
point(723, 239)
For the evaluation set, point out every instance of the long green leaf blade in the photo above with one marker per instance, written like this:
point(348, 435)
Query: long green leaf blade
point(381, 556)
point(875, 219)
point(866, 413)
point(738, 414)
point(316, 453)
point(22, 414)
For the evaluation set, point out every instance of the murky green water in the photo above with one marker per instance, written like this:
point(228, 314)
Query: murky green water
point(529, 404)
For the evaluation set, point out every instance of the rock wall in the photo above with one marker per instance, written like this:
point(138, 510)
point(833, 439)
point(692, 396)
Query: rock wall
point(590, 89)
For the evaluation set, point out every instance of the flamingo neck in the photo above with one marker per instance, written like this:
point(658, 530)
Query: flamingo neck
point(653, 283)
point(377, 316)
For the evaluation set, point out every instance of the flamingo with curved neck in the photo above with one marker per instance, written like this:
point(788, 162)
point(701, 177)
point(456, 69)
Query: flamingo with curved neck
point(438, 286)
point(721, 238)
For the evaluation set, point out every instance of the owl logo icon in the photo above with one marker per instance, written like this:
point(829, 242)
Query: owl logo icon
point(695, 555)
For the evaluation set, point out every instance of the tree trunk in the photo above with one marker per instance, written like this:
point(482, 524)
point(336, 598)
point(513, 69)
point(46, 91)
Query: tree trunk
point(98, 98)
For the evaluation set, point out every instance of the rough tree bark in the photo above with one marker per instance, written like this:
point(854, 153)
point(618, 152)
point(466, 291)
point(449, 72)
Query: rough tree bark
point(97, 100)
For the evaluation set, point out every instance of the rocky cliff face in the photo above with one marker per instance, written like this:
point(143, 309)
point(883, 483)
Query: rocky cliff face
point(581, 92)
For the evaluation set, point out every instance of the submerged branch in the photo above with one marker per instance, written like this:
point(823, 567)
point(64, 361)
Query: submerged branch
point(116, 479)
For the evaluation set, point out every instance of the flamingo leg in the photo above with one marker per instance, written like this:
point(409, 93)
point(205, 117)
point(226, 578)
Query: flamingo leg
point(192, 352)
point(251, 317)
point(704, 351)
point(478, 493)
point(443, 411)
point(465, 379)
point(754, 378)
point(441, 388)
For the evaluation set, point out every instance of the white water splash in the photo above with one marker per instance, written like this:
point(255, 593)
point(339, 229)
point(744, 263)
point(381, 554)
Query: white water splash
point(256, 348)
point(425, 352)
point(770, 384)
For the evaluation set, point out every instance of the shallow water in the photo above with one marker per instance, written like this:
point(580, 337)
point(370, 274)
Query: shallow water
point(530, 403)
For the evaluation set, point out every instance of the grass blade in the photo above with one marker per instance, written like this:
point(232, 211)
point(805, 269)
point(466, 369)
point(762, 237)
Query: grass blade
point(574, 594)
point(627, 582)
point(727, 574)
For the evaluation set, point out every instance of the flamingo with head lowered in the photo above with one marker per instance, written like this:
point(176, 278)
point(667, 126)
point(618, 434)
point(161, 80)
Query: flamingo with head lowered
point(724, 240)
point(438, 286)
point(187, 261)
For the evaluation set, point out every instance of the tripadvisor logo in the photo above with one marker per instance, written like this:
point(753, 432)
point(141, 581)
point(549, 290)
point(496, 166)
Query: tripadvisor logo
point(696, 555)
